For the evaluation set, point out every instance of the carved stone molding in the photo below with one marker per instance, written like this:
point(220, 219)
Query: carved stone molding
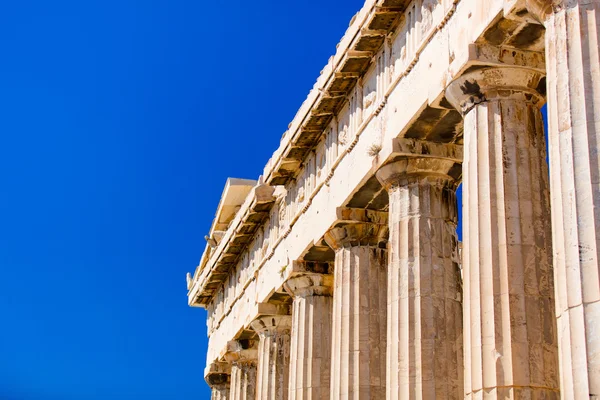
point(358, 227)
point(218, 374)
point(416, 160)
point(310, 285)
point(272, 323)
point(486, 84)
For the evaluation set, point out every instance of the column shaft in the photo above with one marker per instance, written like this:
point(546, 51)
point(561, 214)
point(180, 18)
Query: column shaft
point(220, 392)
point(510, 333)
point(573, 63)
point(511, 337)
point(424, 329)
point(310, 356)
point(243, 380)
point(217, 375)
point(358, 366)
point(273, 357)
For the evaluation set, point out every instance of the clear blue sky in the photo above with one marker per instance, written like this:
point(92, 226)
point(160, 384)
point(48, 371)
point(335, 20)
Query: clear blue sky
point(120, 122)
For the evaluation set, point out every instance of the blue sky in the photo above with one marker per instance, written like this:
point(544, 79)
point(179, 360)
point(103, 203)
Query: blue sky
point(120, 122)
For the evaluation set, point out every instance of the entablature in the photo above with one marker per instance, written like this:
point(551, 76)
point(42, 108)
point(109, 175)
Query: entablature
point(241, 231)
point(354, 56)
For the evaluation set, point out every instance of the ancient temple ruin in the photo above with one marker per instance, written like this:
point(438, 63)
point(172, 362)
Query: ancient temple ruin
point(338, 274)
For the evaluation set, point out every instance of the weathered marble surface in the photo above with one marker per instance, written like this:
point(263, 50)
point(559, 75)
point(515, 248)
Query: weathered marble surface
point(273, 356)
point(573, 63)
point(310, 358)
point(359, 311)
point(424, 316)
point(510, 333)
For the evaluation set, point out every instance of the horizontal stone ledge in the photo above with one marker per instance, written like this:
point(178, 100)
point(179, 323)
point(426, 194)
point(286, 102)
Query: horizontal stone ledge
point(360, 215)
point(233, 244)
point(426, 149)
point(498, 56)
point(272, 309)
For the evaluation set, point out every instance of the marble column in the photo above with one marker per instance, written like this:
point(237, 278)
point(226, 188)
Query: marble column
point(573, 66)
point(424, 316)
point(359, 305)
point(310, 356)
point(273, 356)
point(243, 356)
point(218, 378)
point(509, 327)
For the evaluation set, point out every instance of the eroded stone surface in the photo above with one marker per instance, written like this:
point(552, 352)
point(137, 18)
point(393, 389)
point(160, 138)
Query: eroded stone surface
point(359, 315)
point(573, 54)
point(273, 356)
point(510, 335)
point(310, 356)
point(424, 316)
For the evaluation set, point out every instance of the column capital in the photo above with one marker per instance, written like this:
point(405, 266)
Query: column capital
point(542, 9)
point(310, 285)
point(217, 374)
point(415, 160)
point(238, 352)
point(271, 324)
point(487, 84)
point(358, 227)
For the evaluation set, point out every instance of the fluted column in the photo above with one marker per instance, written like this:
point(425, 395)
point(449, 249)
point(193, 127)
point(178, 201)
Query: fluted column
point(273, 356)
point(424, 316)
point(218, 378)
point(573, 64)
point(243, 356)
point(359, 305)
point(310, 357)
point(509, 328)
point(243, 380)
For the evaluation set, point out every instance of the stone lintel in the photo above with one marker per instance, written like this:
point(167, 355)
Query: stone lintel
point(426, 149)
point(272, 323)
point(272, 309)
point(481, 54)
point(310, 285)
point(488, 84)
point(361, 215)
